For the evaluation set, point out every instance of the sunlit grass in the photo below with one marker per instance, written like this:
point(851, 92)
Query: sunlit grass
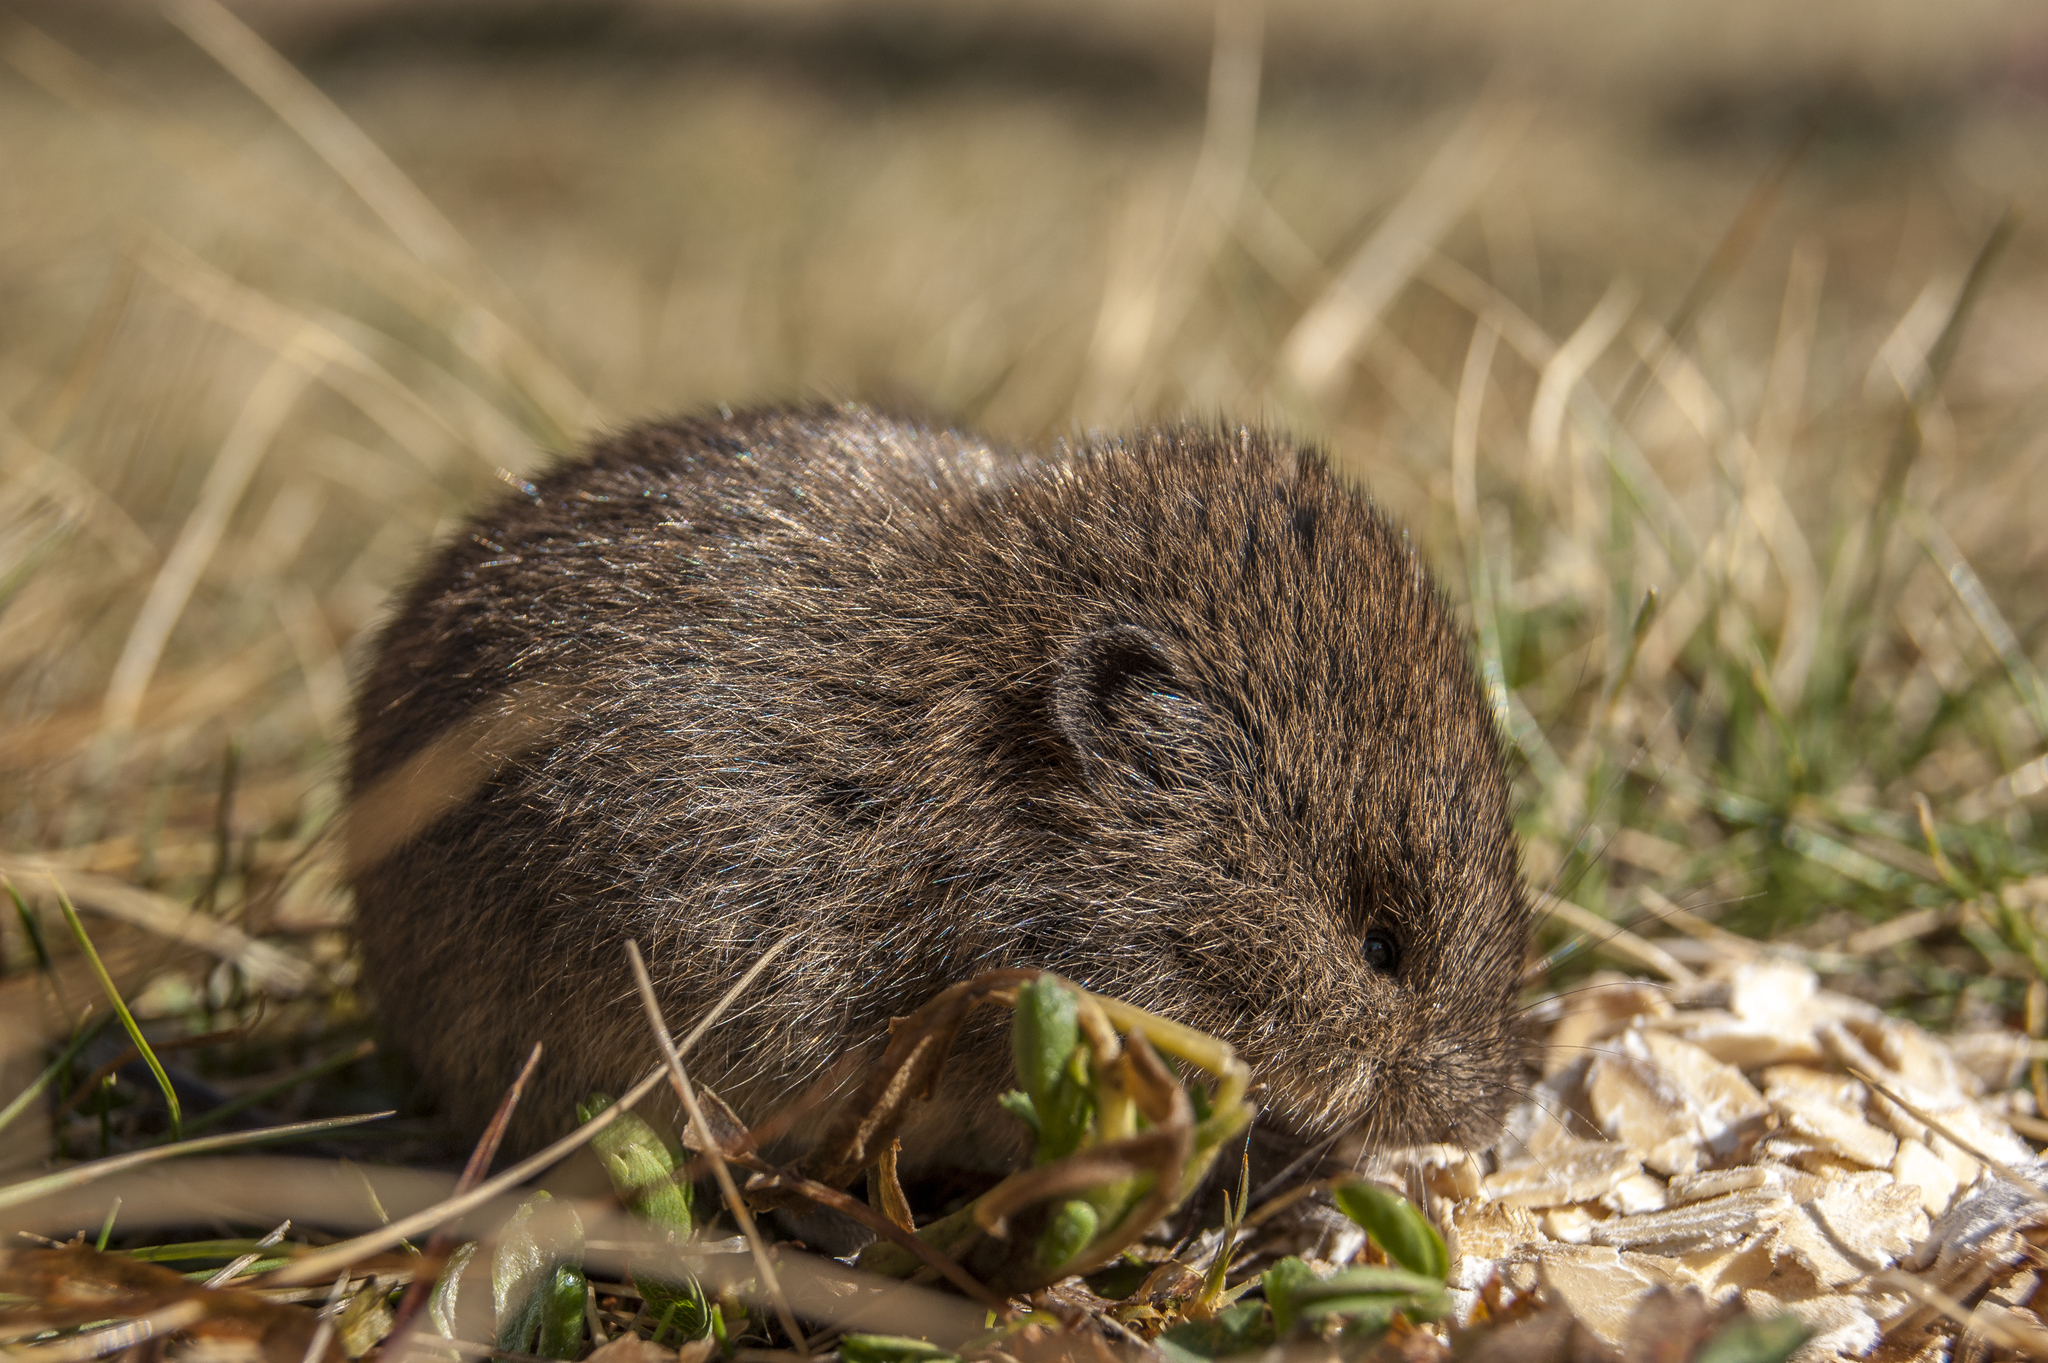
point(1751, 576)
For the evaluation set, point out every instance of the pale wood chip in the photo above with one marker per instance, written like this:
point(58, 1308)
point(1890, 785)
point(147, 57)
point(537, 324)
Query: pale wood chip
point(1576, 1172)
point(1747, 1044)
point(1720, 1182)
point(1841, 1325)
point(1723, 1102)
point(1873, 1220)
point(1640, 1105)
point(1827, 1086)
point(1637, 1194)
point(1569, 1225)
point(1930, 1176)
point(1775, 994)
point(1717, 1223)
point(1595, 1285)
point(1488, 1230)
point(1836, 1130)
point(1997, 1059)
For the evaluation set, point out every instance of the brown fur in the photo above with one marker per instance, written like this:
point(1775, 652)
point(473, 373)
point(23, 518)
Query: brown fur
point(1177, 715)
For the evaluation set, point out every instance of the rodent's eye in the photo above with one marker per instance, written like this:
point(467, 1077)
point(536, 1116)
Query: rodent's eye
point(1381, 952)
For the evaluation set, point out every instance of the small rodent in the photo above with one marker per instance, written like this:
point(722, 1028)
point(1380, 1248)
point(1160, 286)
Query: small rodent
point(1178, 715)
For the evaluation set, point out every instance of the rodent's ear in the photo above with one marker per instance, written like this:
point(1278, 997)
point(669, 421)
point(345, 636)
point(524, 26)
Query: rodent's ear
point(1131, 720)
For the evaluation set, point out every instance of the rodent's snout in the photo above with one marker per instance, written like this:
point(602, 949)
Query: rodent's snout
point(1455, 1094)
point(1417, 1078)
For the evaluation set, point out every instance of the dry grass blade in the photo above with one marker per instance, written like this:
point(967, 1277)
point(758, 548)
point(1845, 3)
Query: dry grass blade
point(1730, 945)
point(422, 1285)
point(163, 1321)
point(868, 1119)
point(2025, 1182)
point(1322, 343)
point(821, 1290)
point(1909, 436)
point(1907, 927)
point(1138, 322)
point(266, 965)
point(310, 224)
point(316, 1266)
point(1472, 386)
point(955, 246)
point(1984, 614)
point(323, 1333)
point(1618, 940)
point(336, 360)
point(32, 469)
point(701, 1129)
point(235, 1267)
point(776, 1182)
point(262, 416)
point(2031, 1344)
point(384, 816)
point(18, 1194)
point(1728, 255)
point(375, 178)
point(1562, 375)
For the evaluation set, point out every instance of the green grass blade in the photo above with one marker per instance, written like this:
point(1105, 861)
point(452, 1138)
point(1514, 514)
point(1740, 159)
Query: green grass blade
point(31, 925)
point(20, 1102)
point(128, 1022)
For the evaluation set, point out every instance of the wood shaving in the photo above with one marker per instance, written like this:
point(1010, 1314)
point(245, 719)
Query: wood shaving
point(1712, 1137)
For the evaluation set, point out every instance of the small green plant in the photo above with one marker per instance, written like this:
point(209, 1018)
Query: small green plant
point(1356, 1303)
point(1118, 1139)
point(537, 1282)
point(647, 1176)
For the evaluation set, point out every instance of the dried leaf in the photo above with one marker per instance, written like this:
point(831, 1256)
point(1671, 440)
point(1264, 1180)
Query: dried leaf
point(78, 1285)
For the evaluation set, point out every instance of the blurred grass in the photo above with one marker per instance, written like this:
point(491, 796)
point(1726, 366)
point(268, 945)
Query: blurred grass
point(251, 368)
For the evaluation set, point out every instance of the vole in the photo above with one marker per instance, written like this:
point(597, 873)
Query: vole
point(1177, 714)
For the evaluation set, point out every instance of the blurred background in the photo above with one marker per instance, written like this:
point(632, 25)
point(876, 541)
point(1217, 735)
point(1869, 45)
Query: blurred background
point(1743, 305)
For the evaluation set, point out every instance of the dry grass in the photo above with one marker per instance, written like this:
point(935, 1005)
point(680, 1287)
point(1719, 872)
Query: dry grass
point(261, 349)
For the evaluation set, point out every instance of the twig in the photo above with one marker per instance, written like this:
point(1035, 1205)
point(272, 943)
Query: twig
point(78, 1176)
point(314, 1267)
point(423, 1284)
point(734, 1202)
point(848, 1205)
point(1618, 940)
point(1919, 1114)
point(170, 1320)
point(324, 1331)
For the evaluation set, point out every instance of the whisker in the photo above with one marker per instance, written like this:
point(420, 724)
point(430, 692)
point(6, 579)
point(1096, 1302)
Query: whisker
point(1310, 1156)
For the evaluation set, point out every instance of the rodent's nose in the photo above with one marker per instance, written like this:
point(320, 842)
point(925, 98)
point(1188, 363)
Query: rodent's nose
point(1443, 1091)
